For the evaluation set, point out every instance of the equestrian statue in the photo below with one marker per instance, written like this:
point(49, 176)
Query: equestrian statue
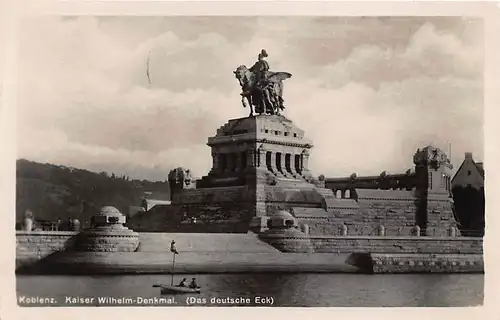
point(262, 90)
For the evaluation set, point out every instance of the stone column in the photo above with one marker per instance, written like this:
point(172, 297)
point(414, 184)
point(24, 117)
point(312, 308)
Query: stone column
point(452, 232)
point(343, 230)
point(251, 158)
point(381, 230)
point(260, 158)
point(215, 162)
point(305, 229)
point(305, 163)
point(416, 231)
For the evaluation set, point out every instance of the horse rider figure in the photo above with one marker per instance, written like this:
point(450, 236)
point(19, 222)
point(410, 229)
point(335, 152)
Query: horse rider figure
point(261, 67)
point(261, 70)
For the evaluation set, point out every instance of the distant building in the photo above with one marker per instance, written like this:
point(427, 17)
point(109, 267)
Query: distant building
point(467, 187)
point(148, 204)
point(153, 199)
point(470, 173)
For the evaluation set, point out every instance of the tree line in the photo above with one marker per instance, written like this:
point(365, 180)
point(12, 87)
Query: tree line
point(55, 192)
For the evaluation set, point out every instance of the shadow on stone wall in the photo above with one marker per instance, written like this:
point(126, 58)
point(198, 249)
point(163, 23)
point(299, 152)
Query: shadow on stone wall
point(33, 247)
point(362, 260)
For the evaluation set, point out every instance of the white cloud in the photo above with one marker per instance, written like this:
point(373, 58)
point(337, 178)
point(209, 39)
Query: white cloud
point(85, 99)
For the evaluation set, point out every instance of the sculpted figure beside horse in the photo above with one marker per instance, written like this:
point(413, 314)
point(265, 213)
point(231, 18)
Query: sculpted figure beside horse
point(265, 95)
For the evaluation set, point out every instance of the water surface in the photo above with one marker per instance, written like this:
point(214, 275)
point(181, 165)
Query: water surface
point(299, 290)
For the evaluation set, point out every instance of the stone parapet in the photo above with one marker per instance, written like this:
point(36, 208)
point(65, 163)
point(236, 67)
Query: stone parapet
point(36, 245)
point(104, 241)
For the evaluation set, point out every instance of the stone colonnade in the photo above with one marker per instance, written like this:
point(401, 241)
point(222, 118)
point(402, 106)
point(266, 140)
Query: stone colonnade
point(280, 163)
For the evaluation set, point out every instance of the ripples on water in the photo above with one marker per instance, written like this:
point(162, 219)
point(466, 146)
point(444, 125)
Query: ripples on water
point(299, 290)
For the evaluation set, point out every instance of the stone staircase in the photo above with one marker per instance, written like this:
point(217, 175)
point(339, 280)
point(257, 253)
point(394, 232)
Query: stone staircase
point(203, 242)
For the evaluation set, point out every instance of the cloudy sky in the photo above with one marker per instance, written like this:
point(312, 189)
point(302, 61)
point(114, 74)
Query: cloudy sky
point(367, 91)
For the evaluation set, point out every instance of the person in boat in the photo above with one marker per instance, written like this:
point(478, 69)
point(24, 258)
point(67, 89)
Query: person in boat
point(182, 283)
point(173, 249)
point(193, 284)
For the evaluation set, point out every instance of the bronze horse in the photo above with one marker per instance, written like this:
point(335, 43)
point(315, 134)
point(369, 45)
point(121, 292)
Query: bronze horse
point(265, 97)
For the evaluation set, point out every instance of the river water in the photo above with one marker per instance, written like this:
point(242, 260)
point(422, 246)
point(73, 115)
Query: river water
point(287, 290)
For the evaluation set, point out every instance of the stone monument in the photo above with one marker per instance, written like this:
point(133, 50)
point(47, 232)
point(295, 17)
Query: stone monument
point(260, 166)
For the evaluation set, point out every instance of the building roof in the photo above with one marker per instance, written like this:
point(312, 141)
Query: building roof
point(480, 168)
point(468, 161)
point(156, 195)
point(154, 202)
point(109, 211)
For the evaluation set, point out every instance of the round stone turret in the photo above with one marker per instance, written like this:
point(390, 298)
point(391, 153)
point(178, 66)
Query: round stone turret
point(282, 220)
point(108, 217)
point(107, 233)
point(284, 233)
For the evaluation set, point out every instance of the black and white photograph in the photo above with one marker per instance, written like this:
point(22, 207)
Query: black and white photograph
point(250, 161)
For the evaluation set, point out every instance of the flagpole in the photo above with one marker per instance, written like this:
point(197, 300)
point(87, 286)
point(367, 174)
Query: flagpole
point(173, 267)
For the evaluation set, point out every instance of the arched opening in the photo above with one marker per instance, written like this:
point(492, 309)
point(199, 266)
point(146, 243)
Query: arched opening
point(348, 194)
point(298, 164)
point(289, 223)
point(287, 163)
point(278, 162)
point(269, 161)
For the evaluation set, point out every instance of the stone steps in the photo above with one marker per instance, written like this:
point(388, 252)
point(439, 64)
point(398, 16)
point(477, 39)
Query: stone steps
point(203, 242)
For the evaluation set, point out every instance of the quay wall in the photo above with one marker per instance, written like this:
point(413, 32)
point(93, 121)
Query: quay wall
point(37, 245)
point(393, 244)
point(386, 254)
point(427, 263)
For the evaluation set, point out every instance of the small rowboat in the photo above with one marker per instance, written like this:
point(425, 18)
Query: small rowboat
point(166, 289)
point(171, 289)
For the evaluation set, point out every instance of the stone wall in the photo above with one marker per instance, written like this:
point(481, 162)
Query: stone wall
point(369, 210)
point(210, 217)
point(427, 263)
point(397, 216)
point(410, 245)
point(213, 195)
point(155, 220)
point(36, 245)
point(439, 216)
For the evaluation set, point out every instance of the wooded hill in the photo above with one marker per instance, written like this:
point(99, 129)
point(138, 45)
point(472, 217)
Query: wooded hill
point(54, 191)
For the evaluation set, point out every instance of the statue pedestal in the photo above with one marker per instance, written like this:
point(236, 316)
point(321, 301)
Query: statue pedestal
point(259, 167)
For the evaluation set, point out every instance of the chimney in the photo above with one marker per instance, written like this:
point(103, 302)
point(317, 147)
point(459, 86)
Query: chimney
point(468, 156)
